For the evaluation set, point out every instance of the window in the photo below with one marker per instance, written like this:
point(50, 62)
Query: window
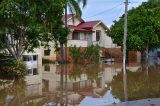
point(47, 68)
point(35, 71)
point(28, 72)
point(83, 36)
point(98, 34)
point(76, 36)
point(158, 53)
point(47, 52)
point(35, 57)
point(27, 58)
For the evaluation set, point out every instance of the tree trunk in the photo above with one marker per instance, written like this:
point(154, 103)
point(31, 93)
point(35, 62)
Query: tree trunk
point(143, 56)
point(66, 59)
point(62, 73)
point(66, 27)
point(146, 59)
point(146, 54)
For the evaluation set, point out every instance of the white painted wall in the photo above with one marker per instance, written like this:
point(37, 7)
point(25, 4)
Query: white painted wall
point(36, 52)
point(75, 22)
point(50, 76)
point(78, 43)
point(34, 81)
point(105, 41)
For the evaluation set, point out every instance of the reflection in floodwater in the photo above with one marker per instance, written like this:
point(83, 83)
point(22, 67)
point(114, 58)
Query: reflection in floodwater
point(140, 85)
point(79, 85)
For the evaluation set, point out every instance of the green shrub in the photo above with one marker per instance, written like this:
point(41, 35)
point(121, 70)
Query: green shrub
point(11, 68)
point(76, 53)
point(92, 53)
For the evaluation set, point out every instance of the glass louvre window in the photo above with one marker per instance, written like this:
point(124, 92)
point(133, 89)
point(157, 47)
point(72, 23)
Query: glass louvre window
point(46, 52)
point(76, 36)
point(98, 34)
point(35, 57)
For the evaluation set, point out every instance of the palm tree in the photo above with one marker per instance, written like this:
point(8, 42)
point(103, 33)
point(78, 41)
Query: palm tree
point(74, 7)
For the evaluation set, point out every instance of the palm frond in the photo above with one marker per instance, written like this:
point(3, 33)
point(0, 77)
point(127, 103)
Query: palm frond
point(74, 7)
point(84, 2)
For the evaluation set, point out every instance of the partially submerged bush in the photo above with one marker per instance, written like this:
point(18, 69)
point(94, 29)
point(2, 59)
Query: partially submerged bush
point(11, 68)
point(76, 53)
point(91, 53)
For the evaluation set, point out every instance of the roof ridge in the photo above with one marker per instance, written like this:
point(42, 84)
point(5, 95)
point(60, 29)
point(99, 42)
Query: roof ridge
point(94, 21)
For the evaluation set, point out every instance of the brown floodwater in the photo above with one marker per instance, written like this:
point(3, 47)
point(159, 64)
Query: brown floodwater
point(81, 85)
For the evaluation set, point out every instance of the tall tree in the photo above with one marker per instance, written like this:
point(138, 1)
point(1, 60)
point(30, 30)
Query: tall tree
point(143, 28)
point(74, 8)
point(25, 23)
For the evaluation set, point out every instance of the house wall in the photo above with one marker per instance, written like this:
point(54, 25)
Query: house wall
point(50, 76)
point(76, 21)
point(70, 35)
point(78, 43)
point(34, 83)
point(52, 55)
point(35, 52)
point(105, 41)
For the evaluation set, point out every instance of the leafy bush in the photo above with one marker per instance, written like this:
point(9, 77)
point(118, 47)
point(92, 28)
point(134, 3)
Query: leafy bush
point(91, 53)
point(11, 68)
point(76, 53)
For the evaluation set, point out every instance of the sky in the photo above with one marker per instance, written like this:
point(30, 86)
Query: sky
point(106, 10)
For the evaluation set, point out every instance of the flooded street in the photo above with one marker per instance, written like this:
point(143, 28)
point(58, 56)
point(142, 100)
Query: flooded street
point(81, 85)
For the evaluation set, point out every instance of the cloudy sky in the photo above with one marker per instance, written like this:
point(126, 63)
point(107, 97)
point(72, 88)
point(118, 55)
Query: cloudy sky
point(106, 10)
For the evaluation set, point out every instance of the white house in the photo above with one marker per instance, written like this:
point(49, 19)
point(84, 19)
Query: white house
point(82, 34)
point(85, 33)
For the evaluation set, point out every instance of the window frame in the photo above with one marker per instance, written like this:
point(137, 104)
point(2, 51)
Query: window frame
point(47, 52)
point(98, 35)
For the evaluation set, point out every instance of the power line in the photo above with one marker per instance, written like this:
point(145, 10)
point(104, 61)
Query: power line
point(110, 9)
point(118, 13)
point(104, 11)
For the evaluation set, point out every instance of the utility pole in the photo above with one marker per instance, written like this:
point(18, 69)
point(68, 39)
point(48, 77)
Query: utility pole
point(124, 51)
point(66, 92)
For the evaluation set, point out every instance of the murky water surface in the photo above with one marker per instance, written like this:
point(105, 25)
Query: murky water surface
point(81, 85)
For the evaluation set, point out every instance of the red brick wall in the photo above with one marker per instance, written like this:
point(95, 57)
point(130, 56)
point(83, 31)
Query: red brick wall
point(132, 56)
point(115, 52)
point(69, 57)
